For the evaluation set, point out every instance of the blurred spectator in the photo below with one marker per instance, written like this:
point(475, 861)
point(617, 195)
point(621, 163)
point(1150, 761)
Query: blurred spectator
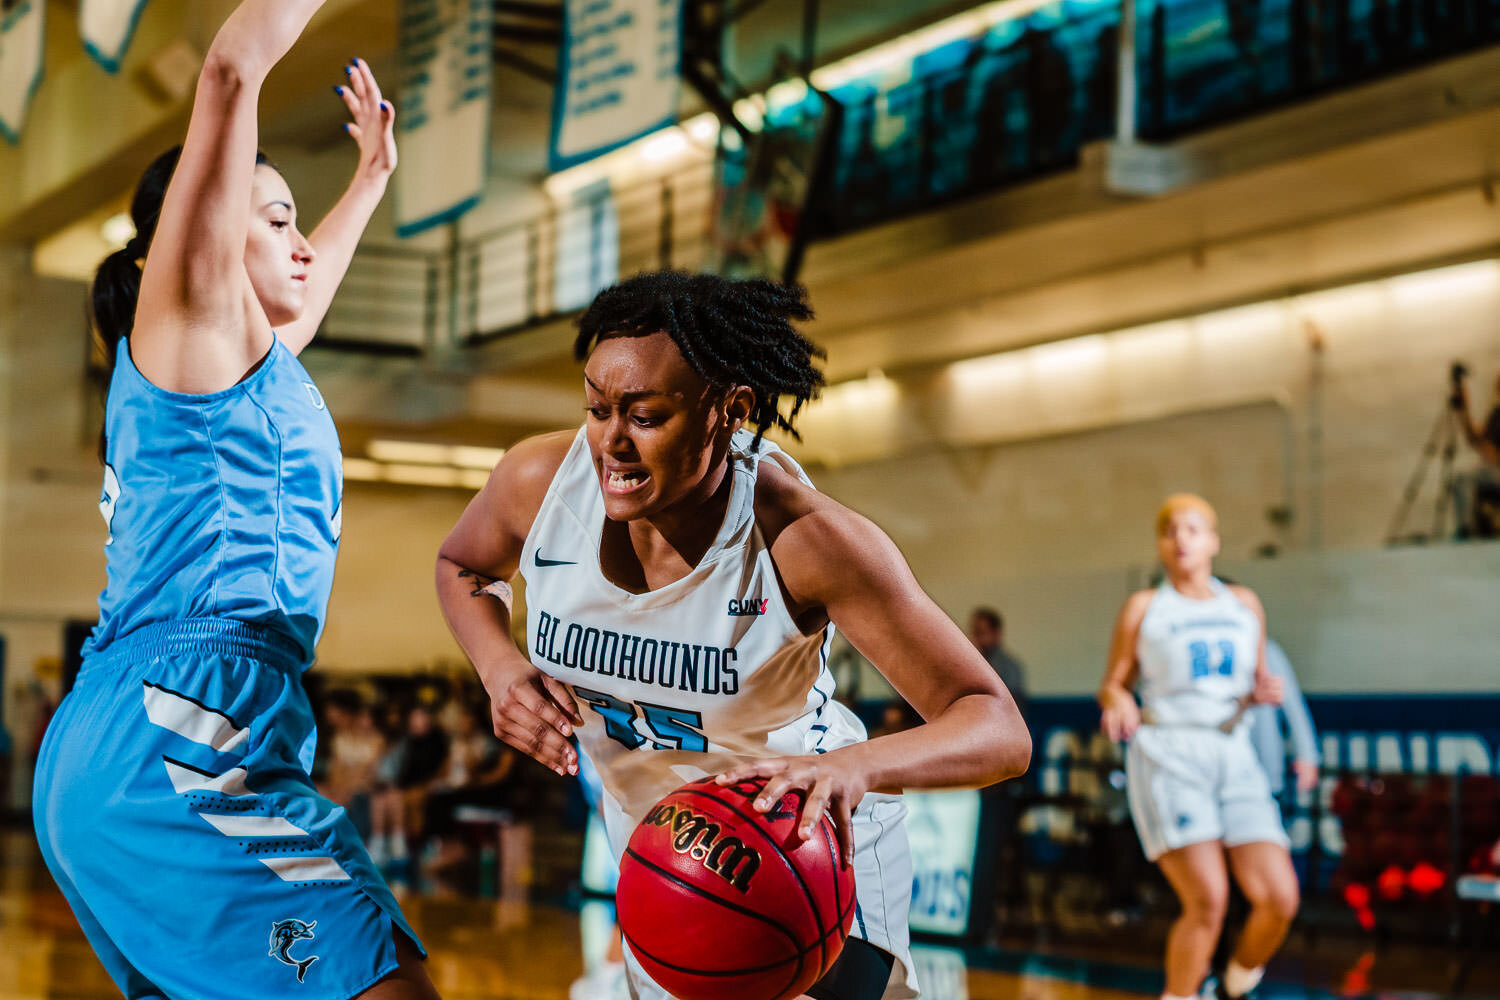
point(477, 773)
point(1265, 728)
point(987, 633)
point(844, 663)
point(1243, 17)
point(1476, 495)
point(896, 717)
point(1102, 84)
point(1049, 97)
point(355, 750)
point(407, 772)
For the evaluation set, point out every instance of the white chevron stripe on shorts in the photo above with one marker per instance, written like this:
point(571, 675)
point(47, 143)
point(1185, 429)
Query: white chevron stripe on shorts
point(306, 869)
point(253, 826)
point(192, 721)
point(187, 779)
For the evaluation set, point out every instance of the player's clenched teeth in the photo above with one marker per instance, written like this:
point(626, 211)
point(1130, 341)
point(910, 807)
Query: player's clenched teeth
point(625, 482)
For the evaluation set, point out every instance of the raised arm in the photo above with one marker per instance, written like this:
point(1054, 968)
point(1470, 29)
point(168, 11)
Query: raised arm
point(197, 311)
point(528, 709)
point(337, 236)
point(1119, 715)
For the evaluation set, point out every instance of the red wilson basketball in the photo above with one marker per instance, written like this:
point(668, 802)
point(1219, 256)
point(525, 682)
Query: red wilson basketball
point(719, 902)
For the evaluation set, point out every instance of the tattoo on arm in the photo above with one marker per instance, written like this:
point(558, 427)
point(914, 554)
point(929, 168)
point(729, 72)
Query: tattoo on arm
point(480, 581)
point(486, 586)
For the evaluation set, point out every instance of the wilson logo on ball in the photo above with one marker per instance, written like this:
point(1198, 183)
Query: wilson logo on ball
point(695, 835)
point(773, 934)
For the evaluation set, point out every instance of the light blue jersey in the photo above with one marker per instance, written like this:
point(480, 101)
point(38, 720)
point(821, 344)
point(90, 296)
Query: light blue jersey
point(172, 800)
point(225, 505)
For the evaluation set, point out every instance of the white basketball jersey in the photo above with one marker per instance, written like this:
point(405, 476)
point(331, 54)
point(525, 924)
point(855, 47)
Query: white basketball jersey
point(1197, 658)
point(685, 680)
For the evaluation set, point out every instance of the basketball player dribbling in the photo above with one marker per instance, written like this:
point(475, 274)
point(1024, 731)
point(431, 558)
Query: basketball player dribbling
point(1196, 649)
point(172, 801)
point(683, 579)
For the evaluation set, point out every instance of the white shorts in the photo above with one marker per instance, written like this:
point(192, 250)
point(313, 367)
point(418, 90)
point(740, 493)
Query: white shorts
point(1189, 785)
point(882, 891)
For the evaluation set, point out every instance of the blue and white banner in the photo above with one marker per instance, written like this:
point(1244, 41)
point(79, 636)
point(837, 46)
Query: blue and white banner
point(442, 110)
point(23, 39)
point(106, 27)
point(943, 829)
point(618, 75)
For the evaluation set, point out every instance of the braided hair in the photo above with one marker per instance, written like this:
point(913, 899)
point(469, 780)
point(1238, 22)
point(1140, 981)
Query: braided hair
point(731, 332)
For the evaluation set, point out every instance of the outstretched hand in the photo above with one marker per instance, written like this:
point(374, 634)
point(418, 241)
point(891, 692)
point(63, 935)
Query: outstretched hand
point(374, 125)
point(831, 782)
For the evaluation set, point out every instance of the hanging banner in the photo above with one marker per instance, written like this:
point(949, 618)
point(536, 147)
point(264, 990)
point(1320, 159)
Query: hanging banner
point(106, 27)
point(443, 110)
point(22, 44)
point(618, 75)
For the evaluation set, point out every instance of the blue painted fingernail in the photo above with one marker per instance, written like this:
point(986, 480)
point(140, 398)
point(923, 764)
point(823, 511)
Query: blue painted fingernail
point(346, 126)
point(348, 70)
point(385, 106)
point(339, 91)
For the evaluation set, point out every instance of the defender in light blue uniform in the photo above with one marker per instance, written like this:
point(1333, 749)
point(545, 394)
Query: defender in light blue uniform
point(178, 764)
point(173, 803)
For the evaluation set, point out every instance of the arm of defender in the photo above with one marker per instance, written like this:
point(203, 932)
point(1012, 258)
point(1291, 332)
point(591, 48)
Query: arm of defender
point(339, 233)
point(193, 300)
point(529, 710)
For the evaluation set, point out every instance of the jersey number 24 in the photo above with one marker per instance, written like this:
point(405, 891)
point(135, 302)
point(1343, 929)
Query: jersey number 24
point(1202, 656)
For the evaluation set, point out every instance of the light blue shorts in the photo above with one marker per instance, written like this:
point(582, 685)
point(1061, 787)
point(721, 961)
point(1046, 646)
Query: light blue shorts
point(174, 808)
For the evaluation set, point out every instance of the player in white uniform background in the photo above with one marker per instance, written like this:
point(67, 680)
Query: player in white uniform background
point(682, 582)
point(1194, 648)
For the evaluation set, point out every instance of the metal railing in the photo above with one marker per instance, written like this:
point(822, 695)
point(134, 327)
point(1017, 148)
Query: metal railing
point(515, 276)
point(977, 114)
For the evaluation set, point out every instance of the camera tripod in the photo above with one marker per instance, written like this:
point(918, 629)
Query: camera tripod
point(1442, 441)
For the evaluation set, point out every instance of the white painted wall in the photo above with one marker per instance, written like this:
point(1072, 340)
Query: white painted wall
point(1221, 403)
point(1404, 620)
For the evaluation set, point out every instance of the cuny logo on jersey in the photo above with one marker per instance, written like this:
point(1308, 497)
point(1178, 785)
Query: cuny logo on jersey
point(748, 607)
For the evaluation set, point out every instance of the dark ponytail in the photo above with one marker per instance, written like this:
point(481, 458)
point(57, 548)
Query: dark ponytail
point(117, 283)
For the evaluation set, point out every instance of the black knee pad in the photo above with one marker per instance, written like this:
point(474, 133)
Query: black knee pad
point(861, 972)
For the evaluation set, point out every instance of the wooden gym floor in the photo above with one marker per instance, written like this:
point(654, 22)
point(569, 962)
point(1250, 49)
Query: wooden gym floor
point(499, 950)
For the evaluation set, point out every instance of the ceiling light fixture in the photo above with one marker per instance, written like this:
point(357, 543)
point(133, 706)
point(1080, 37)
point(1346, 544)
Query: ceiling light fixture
point(423, 463)
point(117, 230)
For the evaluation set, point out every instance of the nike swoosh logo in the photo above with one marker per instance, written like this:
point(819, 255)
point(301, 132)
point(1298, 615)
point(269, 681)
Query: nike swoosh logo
point(552, 562)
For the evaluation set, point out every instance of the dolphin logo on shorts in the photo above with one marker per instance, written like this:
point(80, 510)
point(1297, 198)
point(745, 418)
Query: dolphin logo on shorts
point(284, 934)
